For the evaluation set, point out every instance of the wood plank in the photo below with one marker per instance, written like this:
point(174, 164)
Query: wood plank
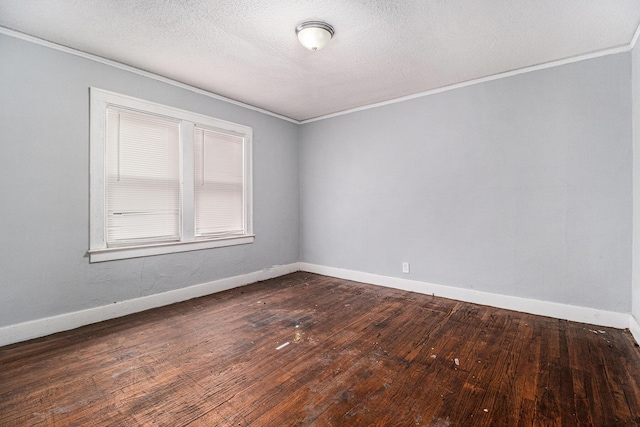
point(358, 354)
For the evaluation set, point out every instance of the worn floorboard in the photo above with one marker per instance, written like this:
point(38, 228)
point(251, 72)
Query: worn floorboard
point(358, 355)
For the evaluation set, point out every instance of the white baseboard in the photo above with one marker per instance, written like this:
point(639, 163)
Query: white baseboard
point(64, 322)
point(50, 325)
point(634, 327)
point(543, 308)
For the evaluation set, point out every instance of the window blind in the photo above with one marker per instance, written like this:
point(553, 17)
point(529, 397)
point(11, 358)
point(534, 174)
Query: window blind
point(219, 183)
point(142, 178)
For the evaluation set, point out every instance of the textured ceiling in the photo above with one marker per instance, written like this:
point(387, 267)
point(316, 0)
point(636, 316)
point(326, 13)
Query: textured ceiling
point(383, 49)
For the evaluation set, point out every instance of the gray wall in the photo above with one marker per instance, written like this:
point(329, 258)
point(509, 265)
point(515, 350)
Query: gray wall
point(44, 189)
point(519, 186)
point(636, 181)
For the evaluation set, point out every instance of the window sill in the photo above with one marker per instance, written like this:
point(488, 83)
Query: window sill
point(110, 254)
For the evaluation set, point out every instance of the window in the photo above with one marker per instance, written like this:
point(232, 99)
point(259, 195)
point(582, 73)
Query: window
point(165, 180)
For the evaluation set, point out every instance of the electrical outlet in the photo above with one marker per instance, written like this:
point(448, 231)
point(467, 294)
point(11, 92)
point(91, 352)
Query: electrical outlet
point(405, 267)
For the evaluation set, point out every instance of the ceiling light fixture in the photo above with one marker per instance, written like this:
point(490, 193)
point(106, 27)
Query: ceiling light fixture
point(314, 35)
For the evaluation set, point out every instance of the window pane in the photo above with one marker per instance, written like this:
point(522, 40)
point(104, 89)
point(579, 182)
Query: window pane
point(219, 176)
point(143, 178)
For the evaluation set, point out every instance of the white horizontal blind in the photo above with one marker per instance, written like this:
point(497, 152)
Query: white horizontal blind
point(219, 179)
point(143, 178)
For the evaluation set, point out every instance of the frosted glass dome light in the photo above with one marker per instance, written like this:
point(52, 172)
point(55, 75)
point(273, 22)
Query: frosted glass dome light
point(314, 35)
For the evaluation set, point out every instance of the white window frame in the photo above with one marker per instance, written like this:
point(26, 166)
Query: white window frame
point(98, 249)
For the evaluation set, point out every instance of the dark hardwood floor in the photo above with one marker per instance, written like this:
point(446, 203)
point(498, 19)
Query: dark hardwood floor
point(358, 355)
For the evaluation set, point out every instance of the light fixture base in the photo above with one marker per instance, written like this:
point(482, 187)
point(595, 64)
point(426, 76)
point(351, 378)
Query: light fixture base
point(314, 35)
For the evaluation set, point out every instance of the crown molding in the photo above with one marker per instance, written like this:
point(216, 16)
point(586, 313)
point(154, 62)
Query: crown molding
point(543, 66)
point(115, 64)
point(551, 64)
